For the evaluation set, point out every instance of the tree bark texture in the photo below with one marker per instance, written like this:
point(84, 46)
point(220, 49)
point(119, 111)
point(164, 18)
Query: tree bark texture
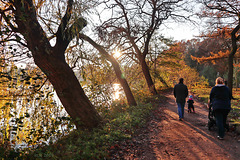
point(69, 91)
point(148, 77)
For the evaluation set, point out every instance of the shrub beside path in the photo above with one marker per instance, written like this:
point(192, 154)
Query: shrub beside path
point(166, 138)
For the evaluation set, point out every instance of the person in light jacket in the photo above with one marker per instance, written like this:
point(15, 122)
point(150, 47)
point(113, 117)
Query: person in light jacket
point(220, 98)
point(180, 93)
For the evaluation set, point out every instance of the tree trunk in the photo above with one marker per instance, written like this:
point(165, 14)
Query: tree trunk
point(230, 71)
point(148, 77)
point(124, 84)
point(231, 56)
point(69, 91)
point(51, 61)
point(145, 69)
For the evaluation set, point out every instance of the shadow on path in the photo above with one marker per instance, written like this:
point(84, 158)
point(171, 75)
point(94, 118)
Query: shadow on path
point(190, 138)
point(166, 138)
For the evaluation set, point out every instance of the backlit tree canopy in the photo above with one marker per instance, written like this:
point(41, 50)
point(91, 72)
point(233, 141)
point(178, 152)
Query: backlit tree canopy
point(132, 25)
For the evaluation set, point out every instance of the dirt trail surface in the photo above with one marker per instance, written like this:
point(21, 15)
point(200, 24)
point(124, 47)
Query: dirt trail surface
point(167, 138)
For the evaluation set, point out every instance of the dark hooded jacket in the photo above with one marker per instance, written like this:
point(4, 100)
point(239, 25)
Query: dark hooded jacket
point(220, 97)
point(180, 92)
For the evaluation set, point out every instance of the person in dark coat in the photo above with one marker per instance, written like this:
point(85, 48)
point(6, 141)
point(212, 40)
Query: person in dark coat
point(220, 97)
point(180, 93)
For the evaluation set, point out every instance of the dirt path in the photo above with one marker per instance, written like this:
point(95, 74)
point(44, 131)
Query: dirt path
point(167, 138)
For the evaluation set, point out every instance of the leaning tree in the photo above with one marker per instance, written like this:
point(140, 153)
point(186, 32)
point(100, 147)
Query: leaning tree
point(22, 23)
point(122, 80)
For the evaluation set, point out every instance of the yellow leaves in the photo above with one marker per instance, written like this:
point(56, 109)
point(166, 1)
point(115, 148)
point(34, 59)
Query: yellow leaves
point(21, 113)
point(21, 136)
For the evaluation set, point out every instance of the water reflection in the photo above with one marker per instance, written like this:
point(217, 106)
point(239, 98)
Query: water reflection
point(116, 90)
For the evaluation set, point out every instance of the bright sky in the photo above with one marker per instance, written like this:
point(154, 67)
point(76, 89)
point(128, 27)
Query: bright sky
point(180, 32)
point(184, 30)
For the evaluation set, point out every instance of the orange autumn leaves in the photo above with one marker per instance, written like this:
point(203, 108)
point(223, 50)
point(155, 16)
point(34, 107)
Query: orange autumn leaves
point(223, 35)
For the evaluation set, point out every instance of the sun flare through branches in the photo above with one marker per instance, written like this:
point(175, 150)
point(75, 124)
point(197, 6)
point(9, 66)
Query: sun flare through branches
point(116, 53)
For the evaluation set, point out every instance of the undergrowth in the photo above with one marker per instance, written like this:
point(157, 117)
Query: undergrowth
point(121, 123)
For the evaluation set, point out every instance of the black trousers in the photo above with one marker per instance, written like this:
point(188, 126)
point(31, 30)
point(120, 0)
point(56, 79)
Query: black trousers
point(221, 119)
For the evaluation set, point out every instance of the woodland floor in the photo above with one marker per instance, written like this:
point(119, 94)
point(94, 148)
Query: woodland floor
point(166, 138)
